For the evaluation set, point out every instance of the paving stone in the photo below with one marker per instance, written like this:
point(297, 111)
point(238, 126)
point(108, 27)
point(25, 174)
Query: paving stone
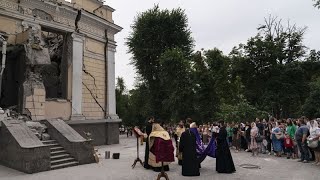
point(120, 169)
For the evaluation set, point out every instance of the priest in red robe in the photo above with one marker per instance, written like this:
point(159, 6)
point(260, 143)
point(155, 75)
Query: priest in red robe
point(161, 148)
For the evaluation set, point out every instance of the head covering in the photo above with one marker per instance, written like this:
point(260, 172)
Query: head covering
point(158, 131)
point(193, 125)
point(254, 125)
point(313, 126)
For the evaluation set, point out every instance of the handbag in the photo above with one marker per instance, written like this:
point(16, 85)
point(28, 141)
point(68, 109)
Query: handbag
point(313, 143)
point(265, 142)
point(259, 138)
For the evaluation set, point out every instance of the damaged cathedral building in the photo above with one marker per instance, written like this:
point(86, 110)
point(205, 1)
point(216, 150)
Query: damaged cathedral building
point(57, 73)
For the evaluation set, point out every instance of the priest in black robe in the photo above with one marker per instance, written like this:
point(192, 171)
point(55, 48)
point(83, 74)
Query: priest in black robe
point(148, 132)
point(190, 162)
point(224, 161)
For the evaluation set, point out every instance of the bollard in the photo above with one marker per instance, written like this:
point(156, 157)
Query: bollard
point(116, 155)
point(107, 155)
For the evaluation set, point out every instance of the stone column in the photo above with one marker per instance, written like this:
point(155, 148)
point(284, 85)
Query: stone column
point(112, 128)
point(111, 87)
point(77, 63)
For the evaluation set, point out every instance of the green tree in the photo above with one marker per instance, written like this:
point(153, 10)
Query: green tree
point(317, 4)
point(153, 33)
point(139, 106)
point(311, 108)
point(120, 87)
point(311, 66)
point(266, 65)
point(314, 56)
point(240, 112)
point(211, 81)
point(176, 77)
point(122, 99)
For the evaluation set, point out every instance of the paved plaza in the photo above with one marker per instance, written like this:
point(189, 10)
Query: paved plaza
point(110, 169)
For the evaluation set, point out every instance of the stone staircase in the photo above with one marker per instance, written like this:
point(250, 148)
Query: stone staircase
point(59, 157)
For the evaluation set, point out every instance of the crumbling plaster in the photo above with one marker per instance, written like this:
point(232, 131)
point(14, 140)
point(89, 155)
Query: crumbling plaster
point(92, 23)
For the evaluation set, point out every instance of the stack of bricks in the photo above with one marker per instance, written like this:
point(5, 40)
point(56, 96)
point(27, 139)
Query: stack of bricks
point(96, 86)
point(35, 103)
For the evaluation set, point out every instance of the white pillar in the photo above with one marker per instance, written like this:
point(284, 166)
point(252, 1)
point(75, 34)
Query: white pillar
point(77, 62)
point(111, 87)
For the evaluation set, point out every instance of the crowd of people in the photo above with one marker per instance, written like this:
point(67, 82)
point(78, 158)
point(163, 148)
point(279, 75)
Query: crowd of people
point(293, 138)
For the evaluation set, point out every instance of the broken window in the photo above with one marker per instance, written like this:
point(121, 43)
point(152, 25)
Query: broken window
point(54, 76)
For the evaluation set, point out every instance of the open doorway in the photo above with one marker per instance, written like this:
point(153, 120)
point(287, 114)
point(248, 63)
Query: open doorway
point(52, 74)
point(13, 76)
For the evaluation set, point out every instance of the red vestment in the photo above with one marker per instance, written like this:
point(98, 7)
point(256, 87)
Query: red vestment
point(163, 150)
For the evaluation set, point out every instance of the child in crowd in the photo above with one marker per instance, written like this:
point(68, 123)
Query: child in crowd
point(288, 144)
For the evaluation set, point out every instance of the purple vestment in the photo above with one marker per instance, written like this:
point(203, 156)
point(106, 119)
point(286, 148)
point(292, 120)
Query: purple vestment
point(203, 152)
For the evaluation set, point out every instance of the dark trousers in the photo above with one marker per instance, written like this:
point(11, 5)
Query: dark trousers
point(312, 154)
point(288, 151)
point(229, 140)
point(304, 150)
point(269, 143)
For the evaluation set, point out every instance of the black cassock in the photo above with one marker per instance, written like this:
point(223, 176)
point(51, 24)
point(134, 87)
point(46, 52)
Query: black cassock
point(190, 163)
point(146, 155)
point(224, 162)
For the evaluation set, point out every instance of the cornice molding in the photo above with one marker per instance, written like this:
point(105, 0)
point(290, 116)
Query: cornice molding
point(59, 17)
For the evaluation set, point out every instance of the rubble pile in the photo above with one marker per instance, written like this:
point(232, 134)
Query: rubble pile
point(40, 130)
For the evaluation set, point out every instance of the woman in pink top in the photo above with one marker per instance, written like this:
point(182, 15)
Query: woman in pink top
point(254, 145)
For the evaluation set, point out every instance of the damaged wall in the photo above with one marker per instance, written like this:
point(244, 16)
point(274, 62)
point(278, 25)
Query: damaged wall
point(89, 19)
point(12, 26)
point(93, 99)
point(93, 6)
point(34, 96)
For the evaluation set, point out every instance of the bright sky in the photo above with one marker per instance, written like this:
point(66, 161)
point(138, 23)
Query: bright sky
point(216, 23)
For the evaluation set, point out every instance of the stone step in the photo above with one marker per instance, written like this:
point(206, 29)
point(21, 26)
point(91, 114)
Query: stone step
point(53, 144)
point(60, 156)
point(62, 161)
point(64, 165)
point(57, 148)
point(53, 153)
point(49, 142)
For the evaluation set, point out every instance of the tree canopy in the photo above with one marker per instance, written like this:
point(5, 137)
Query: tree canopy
point(272, 74)
point(154, 33)
point(317, 3)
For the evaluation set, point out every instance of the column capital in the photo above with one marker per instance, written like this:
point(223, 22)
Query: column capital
point(112, 46)
point(112, 49)
point(78, 37)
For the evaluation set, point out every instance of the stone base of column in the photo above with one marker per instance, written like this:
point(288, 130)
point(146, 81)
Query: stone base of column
point(112, 129)
point(114, 117)
point(76, 117)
